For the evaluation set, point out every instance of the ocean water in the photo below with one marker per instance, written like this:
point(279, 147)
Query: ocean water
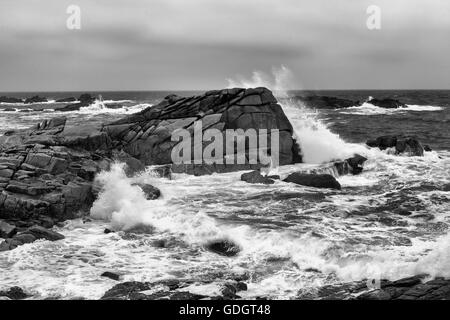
point(292, 238)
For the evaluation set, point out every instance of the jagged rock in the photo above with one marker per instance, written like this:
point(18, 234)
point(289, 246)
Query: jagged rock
point(6, 230)
point(146, 135)
point(35, 99)
point(387, 103)
point(324, 102)
point(314, 180)
point(256, 177)
point(402, 144)
point(223, 247)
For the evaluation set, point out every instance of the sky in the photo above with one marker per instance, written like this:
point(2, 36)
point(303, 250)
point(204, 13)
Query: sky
point(199, 44)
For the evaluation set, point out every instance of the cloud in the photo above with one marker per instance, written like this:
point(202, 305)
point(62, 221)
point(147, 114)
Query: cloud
point(178, 44)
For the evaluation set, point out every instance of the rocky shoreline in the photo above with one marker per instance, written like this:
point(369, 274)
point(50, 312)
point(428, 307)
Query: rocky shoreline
point(47, 176)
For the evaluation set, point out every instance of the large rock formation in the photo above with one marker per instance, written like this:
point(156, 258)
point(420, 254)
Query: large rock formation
point(47, 170)
point(147, 135)
point(403, 144)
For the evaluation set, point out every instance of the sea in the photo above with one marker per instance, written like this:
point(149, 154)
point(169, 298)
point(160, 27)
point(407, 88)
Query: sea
point(389, 222)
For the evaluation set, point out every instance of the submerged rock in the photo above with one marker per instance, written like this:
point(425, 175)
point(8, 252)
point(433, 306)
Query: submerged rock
point(256, 177)
point(356, 163)
point(10, 100)
point(403, 144)
point(223, 247)
point(313, 180)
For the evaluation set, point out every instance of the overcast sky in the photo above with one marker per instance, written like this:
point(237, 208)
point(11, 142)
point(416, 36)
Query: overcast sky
point(199, 44)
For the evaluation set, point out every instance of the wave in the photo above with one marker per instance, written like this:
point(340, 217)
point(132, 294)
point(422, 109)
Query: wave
point(369, 109)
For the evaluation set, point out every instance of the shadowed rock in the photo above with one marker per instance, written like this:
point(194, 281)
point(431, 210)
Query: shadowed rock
point(256, 177)
point(387, 103)
point(403, 144)
point(151, 192)
point(35, 99)
point(223, 247)
point(313, 180)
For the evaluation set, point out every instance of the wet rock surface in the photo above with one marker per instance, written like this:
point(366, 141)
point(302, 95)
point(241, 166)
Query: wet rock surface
point(407, 145)
point(410, 288)
point(314, 180)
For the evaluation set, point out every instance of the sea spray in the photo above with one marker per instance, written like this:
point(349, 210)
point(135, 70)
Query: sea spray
point(317, 143)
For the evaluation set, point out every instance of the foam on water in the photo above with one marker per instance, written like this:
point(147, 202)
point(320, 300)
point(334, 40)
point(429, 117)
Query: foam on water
point(369, 109)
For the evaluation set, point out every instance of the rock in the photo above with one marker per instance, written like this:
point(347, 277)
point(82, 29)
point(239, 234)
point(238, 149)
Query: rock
point(10, 100)
point(446, 187)
point(42, 233)
point(111, 275)
point(223, 247)
point(387, 103)
point(9, 110)
point(14, 293)
point(427, 148)
point(356, 163)
point(313, 180)
point(324, 102)
point(151, 192)
point(403, 144)
point(6, 230)
point(256, 177)
point(107, 231)
point(84, 101)
point(35, 99)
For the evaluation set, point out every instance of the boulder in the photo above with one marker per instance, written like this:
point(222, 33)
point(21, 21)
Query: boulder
point(223, 247)
point(356, 163)
point(313, 180)
point(151, 192)
point(111, 275)
point(84, 100)
point(256, 177)
point(408, 145)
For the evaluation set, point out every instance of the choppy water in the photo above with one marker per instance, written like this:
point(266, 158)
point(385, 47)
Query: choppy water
point(292, 238)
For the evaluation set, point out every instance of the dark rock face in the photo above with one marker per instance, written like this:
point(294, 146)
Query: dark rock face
point(387, 103)
point(256, 177)
point(314, 180)
point(35, 99)
point(223, 247)
point(10, 100)
point(403, 144)
point(324, 102)
point(147, 135)
point(28, 236)
point(411, 288)
point(356, 163)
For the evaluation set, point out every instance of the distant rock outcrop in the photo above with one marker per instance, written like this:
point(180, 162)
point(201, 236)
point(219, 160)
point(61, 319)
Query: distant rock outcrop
point(10, 100)
point(35, 99)
point(408, 145)
point(387, 103)
point(84, 100)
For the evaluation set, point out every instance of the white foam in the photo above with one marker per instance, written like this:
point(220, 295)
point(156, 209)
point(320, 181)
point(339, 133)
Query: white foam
point(369, 109)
